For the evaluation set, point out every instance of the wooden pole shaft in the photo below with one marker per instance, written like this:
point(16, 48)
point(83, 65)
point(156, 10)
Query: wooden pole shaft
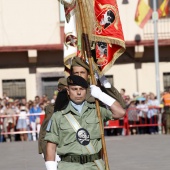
point(88, 52)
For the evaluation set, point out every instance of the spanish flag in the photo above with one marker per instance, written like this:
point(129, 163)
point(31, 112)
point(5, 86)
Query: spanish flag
point(163, 9)
point(143, 13)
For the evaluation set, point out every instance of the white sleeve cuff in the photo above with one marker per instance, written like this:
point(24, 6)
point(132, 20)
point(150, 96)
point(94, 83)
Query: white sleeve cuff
point(51, 165)
point(106, 99)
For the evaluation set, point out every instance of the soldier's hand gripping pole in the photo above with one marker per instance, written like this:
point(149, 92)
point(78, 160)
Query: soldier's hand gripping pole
point(88, 53)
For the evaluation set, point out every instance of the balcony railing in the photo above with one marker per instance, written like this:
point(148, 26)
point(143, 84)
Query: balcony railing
point(163, 29)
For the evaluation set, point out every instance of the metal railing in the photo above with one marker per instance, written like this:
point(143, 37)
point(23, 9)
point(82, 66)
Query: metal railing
point(163, 29)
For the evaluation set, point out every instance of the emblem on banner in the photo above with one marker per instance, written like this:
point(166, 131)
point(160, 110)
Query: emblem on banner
point(101, 53)
point(70, 40)
point(106, 17)
point(83, 136)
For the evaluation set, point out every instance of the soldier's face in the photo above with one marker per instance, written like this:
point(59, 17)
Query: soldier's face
point(80, 71)
point(77, 94)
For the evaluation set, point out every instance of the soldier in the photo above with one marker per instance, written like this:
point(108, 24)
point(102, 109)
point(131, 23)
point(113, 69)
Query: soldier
point(81, 68)
point(166, 101)
point(74, 132)
point(49, 110)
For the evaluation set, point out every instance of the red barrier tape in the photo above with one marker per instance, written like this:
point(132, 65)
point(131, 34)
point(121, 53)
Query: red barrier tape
point(113, 123)
point(17, 115)
point(17, 132)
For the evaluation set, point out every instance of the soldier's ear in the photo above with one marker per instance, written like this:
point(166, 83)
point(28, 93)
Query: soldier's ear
point(68, 92)
point(89, 78)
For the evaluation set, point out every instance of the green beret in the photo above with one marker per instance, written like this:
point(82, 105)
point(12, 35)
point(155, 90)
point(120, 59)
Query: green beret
point(77, 61)
point(62, 82)
point(75, 80)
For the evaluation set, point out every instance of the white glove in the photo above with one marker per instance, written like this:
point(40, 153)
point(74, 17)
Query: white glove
point(103, 97)
point(51, 165)
point(106, 84)
point(57, 158)
point(42, 155)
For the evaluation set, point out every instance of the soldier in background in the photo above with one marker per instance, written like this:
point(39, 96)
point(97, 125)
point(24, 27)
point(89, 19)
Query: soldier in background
point(61, 100)
point(81, 68)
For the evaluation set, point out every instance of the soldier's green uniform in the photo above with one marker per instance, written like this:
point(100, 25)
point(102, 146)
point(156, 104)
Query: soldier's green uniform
point(62, 133)
point(49, 110)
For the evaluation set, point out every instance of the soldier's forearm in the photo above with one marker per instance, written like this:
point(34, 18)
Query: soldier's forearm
point(51, 151)
point(117, 110)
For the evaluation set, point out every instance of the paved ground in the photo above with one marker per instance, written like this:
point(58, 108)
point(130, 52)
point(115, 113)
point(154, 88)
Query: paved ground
point(141, 152)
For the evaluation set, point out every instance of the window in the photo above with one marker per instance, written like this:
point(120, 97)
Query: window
point(62, 13)
point(166, 80)
point(49, 86)
point(15, 89)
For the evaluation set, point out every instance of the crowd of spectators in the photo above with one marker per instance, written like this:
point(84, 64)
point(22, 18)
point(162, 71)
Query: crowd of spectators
point(19, 115)
point(143, 113)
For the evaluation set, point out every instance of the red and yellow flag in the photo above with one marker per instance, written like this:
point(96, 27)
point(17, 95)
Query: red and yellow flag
point(108, 34)
point(163, 9)
point(143, 13)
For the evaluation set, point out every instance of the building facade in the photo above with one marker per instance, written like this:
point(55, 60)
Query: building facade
point(31, 49)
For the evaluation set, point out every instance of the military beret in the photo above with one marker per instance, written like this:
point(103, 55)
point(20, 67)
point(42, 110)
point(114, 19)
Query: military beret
point(77, 61)
point(62, 82)
point(75, 80)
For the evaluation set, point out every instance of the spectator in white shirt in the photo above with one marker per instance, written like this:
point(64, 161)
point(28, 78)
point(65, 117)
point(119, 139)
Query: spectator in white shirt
point(153, 105)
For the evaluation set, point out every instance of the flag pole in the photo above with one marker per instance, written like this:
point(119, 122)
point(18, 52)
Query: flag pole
point(156, 54)
point(88, 53)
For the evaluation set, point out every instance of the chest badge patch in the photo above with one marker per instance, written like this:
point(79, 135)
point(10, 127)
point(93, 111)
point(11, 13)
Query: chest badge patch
point(83, 136)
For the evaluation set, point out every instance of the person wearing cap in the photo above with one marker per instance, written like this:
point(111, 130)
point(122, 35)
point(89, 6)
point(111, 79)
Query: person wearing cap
point(74, 132)
point(80, 67)
point(60, 102)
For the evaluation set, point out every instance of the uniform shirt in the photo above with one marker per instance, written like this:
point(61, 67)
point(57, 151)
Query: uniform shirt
point(62, 133)
point(77, 107)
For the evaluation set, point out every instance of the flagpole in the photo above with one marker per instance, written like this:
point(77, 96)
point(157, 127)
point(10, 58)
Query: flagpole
point(156, 48)
point(88, 53)
point(156, 54)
